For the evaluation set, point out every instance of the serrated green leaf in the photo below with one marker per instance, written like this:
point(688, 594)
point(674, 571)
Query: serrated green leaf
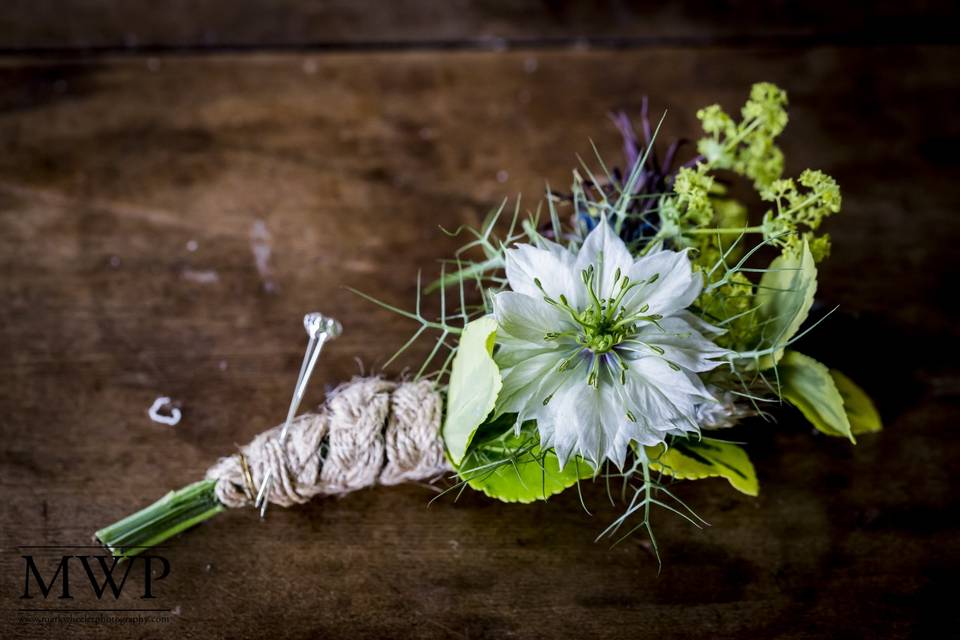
point(514, 469)
point(808, 386)
point(474, 385)
point(861, 412)
point(689, 459)
point(784, 298)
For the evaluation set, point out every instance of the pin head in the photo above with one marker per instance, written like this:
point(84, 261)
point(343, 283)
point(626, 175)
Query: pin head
point(316, 323)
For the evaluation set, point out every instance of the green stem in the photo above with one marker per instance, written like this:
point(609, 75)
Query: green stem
point(737, 139)
point(803, 204)
point(175, 512)
point(726, 230)
point(477, 269)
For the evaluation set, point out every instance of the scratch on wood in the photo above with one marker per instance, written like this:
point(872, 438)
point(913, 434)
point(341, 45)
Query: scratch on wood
point(260, 246)
point(204, 276)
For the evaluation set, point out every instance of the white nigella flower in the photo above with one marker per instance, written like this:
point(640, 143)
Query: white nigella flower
point(597, 346)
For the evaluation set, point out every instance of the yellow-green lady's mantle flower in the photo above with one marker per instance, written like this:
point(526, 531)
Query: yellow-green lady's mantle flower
point(598, 347)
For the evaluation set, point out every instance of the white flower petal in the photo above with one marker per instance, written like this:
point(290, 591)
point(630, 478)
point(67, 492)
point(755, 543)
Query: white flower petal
point(640, 433)
point(554, 267)
point(681, 428)
point(681, 345)
point(700, 324)
point(520, 393)
point(528, 318)
point(675, 288)
point(557, 249)
point(560, 435)
point(662, 394)
point(511, 351)
point(581, 420)
point(607, 252)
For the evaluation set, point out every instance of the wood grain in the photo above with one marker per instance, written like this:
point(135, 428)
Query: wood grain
point(138, 25)
point(129, 189)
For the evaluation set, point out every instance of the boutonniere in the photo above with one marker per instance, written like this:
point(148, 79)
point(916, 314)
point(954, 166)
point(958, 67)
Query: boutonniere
point(611, 336)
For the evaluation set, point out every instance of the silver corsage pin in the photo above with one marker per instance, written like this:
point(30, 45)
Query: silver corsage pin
point(320, 328)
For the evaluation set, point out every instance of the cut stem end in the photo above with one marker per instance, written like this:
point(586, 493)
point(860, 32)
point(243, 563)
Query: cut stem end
point(175, 512)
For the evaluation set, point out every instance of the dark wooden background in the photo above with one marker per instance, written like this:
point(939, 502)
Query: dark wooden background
point(140, 145)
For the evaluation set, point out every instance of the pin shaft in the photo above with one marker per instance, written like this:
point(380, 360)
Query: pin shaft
point(320, 329)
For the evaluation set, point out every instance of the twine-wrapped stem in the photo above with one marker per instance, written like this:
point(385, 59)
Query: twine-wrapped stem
point(370, 431)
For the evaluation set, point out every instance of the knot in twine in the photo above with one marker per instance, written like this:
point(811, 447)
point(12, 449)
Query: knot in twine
point(370, 431)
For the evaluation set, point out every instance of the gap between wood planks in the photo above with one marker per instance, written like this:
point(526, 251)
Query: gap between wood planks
point(497, 44)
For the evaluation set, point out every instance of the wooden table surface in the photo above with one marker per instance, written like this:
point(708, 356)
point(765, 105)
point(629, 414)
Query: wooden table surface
point(144, 155)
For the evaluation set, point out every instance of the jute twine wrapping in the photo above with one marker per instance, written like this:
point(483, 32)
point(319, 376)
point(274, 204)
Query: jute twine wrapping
point(370, 431)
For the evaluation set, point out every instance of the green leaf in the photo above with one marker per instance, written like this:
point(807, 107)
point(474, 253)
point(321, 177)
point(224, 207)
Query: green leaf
point(784, 298)
point(808, 386)
point(474, 385)
point(688, 459)
point(861, 413)
point(514, 469)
